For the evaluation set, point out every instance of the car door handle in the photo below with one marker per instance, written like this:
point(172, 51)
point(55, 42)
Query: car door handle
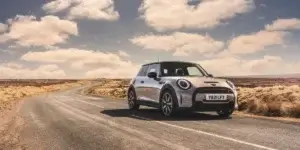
point(142, 81)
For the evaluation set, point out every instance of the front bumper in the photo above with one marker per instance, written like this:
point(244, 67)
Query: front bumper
point(197, 101)
point(200, 106)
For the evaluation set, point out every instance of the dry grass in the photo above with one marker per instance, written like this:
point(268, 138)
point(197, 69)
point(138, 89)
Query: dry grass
point(10, 93)
point(283, 101)
point(112, 88)
point(264, 82)
point(271, 101)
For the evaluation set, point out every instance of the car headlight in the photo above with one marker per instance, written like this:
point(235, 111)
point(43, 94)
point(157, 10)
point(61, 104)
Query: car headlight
point(184, 84)
point(230, 84)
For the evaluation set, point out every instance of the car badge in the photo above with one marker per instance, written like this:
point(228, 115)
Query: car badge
point(213, 84)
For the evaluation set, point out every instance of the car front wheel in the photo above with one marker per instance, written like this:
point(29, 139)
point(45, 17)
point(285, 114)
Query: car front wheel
point(132, 100)
point(167, 104)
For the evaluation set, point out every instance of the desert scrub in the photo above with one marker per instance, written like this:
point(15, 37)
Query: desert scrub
point(8, 94)
point(271, 101)
point(110, 87)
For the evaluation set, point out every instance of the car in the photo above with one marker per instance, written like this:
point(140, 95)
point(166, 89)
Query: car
point(176, 85)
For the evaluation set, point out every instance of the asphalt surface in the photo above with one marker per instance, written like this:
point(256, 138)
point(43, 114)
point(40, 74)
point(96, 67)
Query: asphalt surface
point(68, 120)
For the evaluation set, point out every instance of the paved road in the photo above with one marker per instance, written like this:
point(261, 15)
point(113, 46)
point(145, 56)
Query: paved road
point(68, 120)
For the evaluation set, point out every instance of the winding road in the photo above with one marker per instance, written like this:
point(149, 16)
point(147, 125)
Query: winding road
point(69, 120)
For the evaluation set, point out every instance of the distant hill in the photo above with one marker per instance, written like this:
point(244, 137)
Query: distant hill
point(295, 75)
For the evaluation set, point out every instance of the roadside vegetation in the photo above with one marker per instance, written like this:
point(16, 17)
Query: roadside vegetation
point(268, 99)
point(283, 101)
point(11, 91)
point(110, 87)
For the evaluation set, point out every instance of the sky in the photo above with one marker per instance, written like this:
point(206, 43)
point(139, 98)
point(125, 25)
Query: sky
point(113, 38)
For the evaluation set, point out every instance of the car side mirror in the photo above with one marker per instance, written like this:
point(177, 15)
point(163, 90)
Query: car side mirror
point(152, 75)
point(210, 75)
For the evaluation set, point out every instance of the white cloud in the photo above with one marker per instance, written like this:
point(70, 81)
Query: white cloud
point(181, 44)
point(247, 44)
point(175, 14)
point(94, 9)
point(112, 73)
point(13, 65)
point(273, 34)
point(56, 6)
point(7, 51)
point(4, 38)
point(236, 66)
point(263, 5)
point(284, 24)
point(13, 46)
point(123, 53)
point(49, 30)
point(3, 27)
point(84, 9)
point(17, 71)
point(82, 59)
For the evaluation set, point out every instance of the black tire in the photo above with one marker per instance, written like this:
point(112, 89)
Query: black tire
point(168, 103)
point(132, 100)
point(225, 113)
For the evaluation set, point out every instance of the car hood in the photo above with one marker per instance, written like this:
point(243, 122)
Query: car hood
point(207, 82)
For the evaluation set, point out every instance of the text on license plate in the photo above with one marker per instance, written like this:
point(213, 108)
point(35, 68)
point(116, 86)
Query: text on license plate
point(216, 97)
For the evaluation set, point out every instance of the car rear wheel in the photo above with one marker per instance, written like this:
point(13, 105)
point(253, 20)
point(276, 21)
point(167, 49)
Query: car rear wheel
point(132, 100)
point(167, 103)
point(225, 113)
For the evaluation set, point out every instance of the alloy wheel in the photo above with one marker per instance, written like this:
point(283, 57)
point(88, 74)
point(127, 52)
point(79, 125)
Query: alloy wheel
point(167, 104)
point(131, 99)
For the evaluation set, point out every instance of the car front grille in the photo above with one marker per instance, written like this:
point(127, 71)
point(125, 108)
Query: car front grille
point(211, 90)
point(222, 90)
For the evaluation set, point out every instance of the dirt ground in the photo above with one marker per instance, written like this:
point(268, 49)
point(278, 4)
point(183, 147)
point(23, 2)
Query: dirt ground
point(11, 94)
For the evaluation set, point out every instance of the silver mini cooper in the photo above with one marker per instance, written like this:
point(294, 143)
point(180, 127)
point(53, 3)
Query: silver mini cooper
point(174, 85)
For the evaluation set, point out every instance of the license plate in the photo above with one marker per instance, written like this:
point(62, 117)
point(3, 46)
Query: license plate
point(216, 97)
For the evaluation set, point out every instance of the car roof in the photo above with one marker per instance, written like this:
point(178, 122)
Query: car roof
point(160, 62)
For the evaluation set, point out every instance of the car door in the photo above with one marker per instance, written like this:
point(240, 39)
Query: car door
point(152, 85)
point(140, 83)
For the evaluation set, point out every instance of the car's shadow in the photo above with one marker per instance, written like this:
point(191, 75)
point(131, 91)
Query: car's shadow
point(155, 114)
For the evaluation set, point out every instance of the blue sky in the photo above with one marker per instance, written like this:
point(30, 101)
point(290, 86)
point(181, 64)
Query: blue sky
point(106, 38)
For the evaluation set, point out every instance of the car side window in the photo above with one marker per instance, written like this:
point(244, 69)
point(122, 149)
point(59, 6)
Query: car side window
point(143, 71)
point(193, 71)
point(165, 71)
point(153, 68)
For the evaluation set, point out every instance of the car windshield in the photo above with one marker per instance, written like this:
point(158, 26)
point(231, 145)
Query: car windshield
point(181, 69)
